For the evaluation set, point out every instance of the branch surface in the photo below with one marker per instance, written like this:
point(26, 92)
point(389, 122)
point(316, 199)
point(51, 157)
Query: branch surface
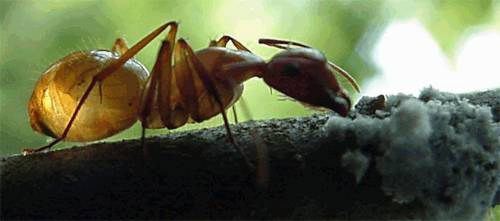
point(432, 157)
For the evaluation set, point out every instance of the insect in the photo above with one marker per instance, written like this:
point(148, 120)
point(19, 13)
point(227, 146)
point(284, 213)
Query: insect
point(91, 95)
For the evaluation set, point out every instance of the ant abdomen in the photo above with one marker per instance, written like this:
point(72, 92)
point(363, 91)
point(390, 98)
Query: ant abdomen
point(111, 107)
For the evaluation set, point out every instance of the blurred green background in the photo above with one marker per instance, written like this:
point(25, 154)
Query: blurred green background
point(34, 34)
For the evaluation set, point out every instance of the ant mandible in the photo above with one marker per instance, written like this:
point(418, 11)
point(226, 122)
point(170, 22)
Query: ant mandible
point(199, 86)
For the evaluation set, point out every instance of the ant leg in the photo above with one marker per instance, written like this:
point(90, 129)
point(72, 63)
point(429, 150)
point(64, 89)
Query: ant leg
point(100, 76)
point(120, 46)
point(222, 42)
point(145, 150)
point(233, 108)
point(155, 110)
point(262, 161)
point(245, 109)
point(159, 109)
point(108, 70)
point(280, 44)
point(186, 52)
point(261, 150)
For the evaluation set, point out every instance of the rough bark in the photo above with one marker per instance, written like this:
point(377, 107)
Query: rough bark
point(315, 172)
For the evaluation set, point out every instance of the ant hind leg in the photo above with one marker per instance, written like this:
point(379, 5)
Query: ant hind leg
point(99, 77)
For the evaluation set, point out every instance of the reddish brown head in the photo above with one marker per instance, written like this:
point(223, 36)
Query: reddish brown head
point(306, 75)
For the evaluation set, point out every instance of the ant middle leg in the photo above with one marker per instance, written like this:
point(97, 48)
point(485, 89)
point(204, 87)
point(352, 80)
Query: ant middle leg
point(222, 42)
point(155, 105)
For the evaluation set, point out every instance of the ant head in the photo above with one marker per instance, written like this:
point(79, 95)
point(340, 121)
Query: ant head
point(305, 75)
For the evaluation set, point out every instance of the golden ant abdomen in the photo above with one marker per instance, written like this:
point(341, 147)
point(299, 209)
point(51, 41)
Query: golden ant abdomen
point(106, 111)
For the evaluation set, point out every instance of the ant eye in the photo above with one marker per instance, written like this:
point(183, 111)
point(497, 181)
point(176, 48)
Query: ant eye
point(290, 69)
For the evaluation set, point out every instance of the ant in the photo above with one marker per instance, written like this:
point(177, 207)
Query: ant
point(183, 86)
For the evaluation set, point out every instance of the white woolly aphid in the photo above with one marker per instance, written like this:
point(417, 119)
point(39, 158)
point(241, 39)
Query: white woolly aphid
point(441, 152)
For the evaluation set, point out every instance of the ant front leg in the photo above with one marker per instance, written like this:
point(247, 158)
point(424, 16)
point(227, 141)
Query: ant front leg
point(105, 72)
point(196, 69)
point(222, 42)
point(262, 161)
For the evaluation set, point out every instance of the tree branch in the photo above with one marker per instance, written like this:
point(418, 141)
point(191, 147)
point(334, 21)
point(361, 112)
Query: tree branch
point(432, 157)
